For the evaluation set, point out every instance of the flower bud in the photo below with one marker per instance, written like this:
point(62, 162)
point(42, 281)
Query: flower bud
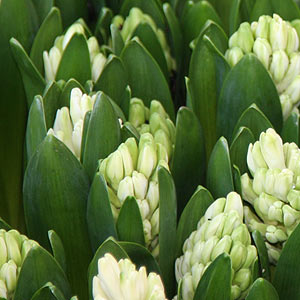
point(279, 65)
point(262, 28)
point(274, 235)
point(125, 189)
point(278, 33)
point(248, 193)
point(77, 137)
point(234, 55)
point(245, 37)
point(293, 90)
point(114, 169)
point(140, 184)
point(238, 255)
point(98, 64)
point(223, 246)
point(93, 46)
point(136, 114)
point(263, 51)
point(293, 41)
point(127, 160)
point(133, 149)
point(75, 28)
point(293, 199)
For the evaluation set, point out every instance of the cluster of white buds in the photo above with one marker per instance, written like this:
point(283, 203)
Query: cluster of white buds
point(274, 191)
point(121, 281)
point(53, 57)
point(13, 250)
point(68, 124)
point(154, 120)
point(220, 230)
point(275, 42)
point(132, 171)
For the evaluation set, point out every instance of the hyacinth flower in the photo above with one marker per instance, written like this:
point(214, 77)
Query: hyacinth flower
point(273, 191)
point(128, 27)
point(220, 230)
point(52, 58)
point(14, 248)
point(276, 44)
point(132, 171)
point(120, 280)
point(68, 124)
point(154, 120)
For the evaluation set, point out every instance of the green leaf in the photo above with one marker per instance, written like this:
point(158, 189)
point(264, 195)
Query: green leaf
point(240, 91)
point(130, 224)
point(219, 174)
point(113, 79)
point(33, 82)
point(126, 101)
point(103, 135)
point(103, 24)
point(100, 220)
point(51, 103)
point(4, 225)
point(239, 148)
point(236, 174)
point(254, 120)
point(109, 246)
point(194, 16)
point(39, 268)
point(204, 75)
point(262, 254)
point(140, 256)
point(149, 7)
point(215, 284)
point(167, 229)
point(45, 37)
point(48, 292)
point(287, 273)
point(127, 131)
point(290, 130)
point(36, 126)
point(43, 8)
point(57, 249)
point(235, 17)
point(191, 215)
point(86, 123)
point(287, 9)
point(55, 197)
point(71, 10)
point(151, 84)
point(150, 41)
point(81, 70)
point(64, 99)
point(116, 40)
point(263, 290)
point(188, 163)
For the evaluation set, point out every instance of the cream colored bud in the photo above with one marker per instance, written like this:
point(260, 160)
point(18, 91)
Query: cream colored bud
point(293, 198)
point(77, 137)
point(97, 66)
point(114, 169)
point(293, 90)
point(234, 55)
point(279, 65)
point(75, 28)
point(136, 112)
point(248, 193)
point(153, 195)
point(140, 184)
point(93, 46)
point(125, 189)
point(259, 181)
point(127, 159)
point(262, 28)
point(293, 41)
point(278, 33)
point(262, 49)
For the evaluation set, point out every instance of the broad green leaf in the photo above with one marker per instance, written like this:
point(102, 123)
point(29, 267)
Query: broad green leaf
point(239, 148)
point(167, 229)
point(43, 8)
point(57, 249)
point(39, 268)
point(194, 17)
point(151, 84)
point(81, 70)
point(262, 254)
point(113, 79)
point(109, 246)
point(130, 224)
point(188, 163)
point(48, 292)
point(150, 41)
point(51, 103)
point(86, 123)
point(149, 7)
point(64, 99)
point(215, 283)
point(15, 20)
point(204, 77)
point(33, 82)
point(240, 91)
point(219, 174)
point(126, 101)
point(263, 290)
point(103, 135)
point(290, 130)
point(140, 256)
point(36, 126)
point(127, 131)
point(45, 37)
point(55, 197)
point(254, 120)
point(100, 220)
point(4, 225)
point(116, 40)
point(235, 17)
point(191, 215)
point(71, 10)
point(287, 273)
point(103, 23)
point(287, 9)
